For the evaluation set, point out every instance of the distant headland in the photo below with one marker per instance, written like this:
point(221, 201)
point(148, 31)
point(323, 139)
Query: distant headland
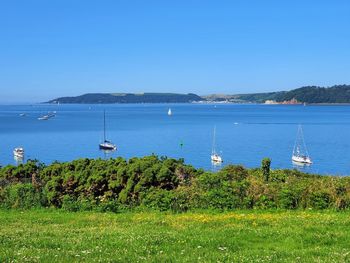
point(337, 94)
point(110, 98)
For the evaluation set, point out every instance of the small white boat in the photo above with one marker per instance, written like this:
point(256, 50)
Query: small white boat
point(47, 116)
point(301, 159)
point(215, 157)
point(169, 112)
point(44, 118)
point(22, 115)
point(106, 145)
point(18, 152)
point(300, 152)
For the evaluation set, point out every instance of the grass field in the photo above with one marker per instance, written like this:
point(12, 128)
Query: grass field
point(242, 236)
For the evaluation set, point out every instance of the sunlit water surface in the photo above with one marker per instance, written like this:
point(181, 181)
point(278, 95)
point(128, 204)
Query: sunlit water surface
point(245, 133)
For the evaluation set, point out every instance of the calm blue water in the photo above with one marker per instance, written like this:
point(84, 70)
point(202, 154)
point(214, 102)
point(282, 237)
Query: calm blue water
point(245, 133)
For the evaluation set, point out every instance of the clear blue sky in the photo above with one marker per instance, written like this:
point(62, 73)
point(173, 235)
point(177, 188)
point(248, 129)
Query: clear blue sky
point(69, 47)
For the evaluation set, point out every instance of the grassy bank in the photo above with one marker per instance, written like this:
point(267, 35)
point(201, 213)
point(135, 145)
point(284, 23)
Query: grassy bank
point(241, 236)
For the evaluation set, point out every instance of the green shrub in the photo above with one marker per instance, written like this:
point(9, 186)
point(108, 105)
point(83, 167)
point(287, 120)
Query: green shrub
point(220, 198)
point(265, 202)
point(320, 200)
point(288, 199)
point(159, 199)
point(22, 196)
point(165, 184)
point(108, 206)
point(69, 203)
point(265, 167)
point(182, 200)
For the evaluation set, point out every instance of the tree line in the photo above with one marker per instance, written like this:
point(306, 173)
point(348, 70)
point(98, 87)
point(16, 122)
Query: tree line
point(106, 98)
point(314, 94)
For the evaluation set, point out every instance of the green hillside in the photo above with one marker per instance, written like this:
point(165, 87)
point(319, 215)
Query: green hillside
point(307, 94)
point(314, 94)
point(104, 98)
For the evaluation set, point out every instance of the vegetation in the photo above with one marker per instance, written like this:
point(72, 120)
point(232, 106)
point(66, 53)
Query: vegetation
point(265, 167)
point(165, 184)
point(129, 98)
point(308, 94)
point(313, 94)
point(259, 97)
point(240, 236)
point(233, 215)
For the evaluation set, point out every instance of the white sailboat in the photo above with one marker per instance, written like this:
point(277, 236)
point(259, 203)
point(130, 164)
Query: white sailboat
point(215, 157)
point(106, 145)
point(169, 112)
point(300, 152)
point(18, 153)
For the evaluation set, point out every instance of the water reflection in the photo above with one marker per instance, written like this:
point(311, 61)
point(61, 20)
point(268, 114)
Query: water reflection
point(302, 167)
point(19, 160)
point(107, 153)
point(216, 166)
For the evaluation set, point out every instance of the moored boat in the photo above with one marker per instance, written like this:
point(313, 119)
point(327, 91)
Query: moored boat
point(47, 116)
point(300, 153)
point(106, 144)
point(18, 152)
point(215, 157)
point(301, 159)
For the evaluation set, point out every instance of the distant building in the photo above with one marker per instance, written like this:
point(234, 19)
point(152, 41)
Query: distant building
point(286, 102)
point(271, 102)
point(291, 102)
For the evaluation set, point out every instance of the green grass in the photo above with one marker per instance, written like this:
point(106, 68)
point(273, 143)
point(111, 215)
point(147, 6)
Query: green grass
point(241, 236)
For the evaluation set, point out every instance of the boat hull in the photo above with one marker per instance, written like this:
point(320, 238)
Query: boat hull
point(20, 156)
point(301, 159)
point(18, 153)
point(216, 159)
point(107, 147)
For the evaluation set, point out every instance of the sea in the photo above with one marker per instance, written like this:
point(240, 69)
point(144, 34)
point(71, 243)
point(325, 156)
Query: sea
point(245, 133)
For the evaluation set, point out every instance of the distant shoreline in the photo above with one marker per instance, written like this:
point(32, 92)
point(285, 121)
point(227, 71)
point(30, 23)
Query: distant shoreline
point(311, 95)
point(173, 103)
point(195, 103)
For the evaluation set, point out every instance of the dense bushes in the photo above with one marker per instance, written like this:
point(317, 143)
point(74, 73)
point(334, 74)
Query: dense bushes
point(165, 184)
point(22, 196)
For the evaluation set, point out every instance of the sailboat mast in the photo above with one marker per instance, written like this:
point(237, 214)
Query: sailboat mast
point(213, 148)
point(303, 141)
point(104, 125)
point(296, 141)
point(300, 145)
